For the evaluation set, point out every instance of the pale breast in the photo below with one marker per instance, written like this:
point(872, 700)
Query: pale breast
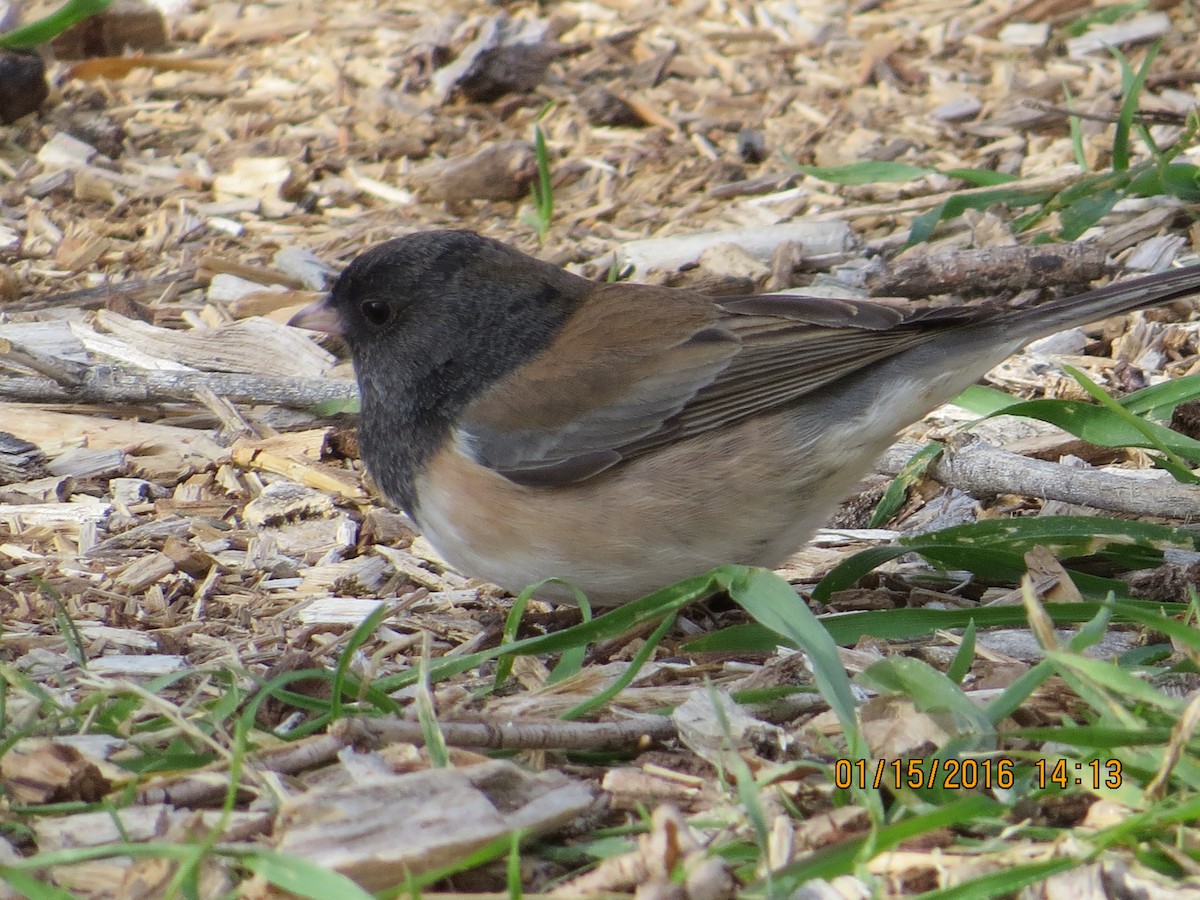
point(749, 494)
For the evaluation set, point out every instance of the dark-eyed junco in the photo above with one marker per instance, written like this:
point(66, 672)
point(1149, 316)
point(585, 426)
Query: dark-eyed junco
point(623, 436)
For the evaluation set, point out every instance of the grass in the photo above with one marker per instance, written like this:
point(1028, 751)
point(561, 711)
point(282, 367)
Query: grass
point(44, 30)
point(541, 216)
point(1123, 729)
point(1060, 215)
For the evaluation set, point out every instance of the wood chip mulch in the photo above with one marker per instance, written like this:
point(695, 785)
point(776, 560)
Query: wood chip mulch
point(166, 487)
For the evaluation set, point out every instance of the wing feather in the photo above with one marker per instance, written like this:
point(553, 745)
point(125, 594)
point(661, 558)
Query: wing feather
point(639, 367)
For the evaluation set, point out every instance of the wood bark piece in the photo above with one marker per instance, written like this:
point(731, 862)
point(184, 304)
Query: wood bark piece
point(129, 665)
point(385, 828)
point(603, 107)
point(122, 26)
point(121, 351)
point(53, 339)
point(1029, 11)
point(1137, 30)
point(35, 772)
point(672, 253)
point(286, 501)
point(205, 787)
point(717, 729)
point(263, 455)
point(501, 171)
point(361, 575)
point(24, 515)
point(85, 462)
point(143, 572)
point(994, 270)
point(671, 861)
point(254, 346)
point(20, 460)
point(981, 469)
point(508, 55)
point(65, 372)
point(136, 823)
point(52, 431)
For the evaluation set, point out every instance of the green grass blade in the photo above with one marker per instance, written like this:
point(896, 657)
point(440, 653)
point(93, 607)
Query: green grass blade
point(652, 608)
point(961, 664)
point(839, 859)
point(773, 603)
point(512, 623)
point(867, 171)
point(1116, 680)
point(984, 401)
point(31, 888)
point(298, 876)
point(981, 177)
point(1018, 693)
point(912, 472)
point(1093, 737)
point(847, 573)
point(570, 661)
point(1007, 881)
point(995, 549)
point(1103, 425)
point(923, 226)
point(1132, 85)
point(847, 629)
point(1082, 214)
point(1162, 439)
point(626, 678)
point(1159, 400)
point(47, 28)
point(1181, 180)
point(932, 691)
point(1075, 124)
point(431, 731)
point(358, 637)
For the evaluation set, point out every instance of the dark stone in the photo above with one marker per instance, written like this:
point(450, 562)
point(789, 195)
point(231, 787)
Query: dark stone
point(603, 107)
point(23, 86)
point(752, 146)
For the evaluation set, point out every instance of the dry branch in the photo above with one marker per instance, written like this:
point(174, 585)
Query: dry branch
point(140, 290)
point(980, 469)
point(528, 734)
point(104, 384)
point(993, 270)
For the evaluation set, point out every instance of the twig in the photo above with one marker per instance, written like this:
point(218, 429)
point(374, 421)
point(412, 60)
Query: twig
point(549, 734)
point(63, 372)
point(1050, 183)
point(104, 384)
point(1026, 11)
point(994, 270)
point(106, 294)
point(205, 787)
point(978, 468)
point(1142, 117)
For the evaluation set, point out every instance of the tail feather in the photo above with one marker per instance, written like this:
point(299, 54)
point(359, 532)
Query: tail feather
point(1110, 300)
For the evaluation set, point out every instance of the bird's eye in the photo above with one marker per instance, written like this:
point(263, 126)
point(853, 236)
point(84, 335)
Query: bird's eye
point(377, 312)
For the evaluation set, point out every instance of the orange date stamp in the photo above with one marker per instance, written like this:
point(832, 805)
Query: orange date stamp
point(970, 774)
point(1064, 773)
point(917, 774)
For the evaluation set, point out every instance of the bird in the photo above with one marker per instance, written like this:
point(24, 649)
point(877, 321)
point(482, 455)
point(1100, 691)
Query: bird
point(623, 437)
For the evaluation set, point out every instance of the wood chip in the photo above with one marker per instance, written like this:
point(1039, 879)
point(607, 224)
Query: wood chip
point(384, 827)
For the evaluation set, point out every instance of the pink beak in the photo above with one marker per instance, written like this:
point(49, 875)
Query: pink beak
point(318, 316)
